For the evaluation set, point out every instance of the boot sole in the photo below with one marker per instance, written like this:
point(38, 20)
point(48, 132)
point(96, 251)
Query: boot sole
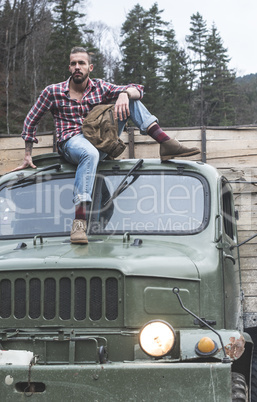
point(79, 241)
point(167, 157)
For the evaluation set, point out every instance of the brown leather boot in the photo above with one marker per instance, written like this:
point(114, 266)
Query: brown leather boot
point(78, 232)
point(173, 148)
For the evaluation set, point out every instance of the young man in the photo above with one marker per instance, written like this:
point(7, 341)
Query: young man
point(70, 102)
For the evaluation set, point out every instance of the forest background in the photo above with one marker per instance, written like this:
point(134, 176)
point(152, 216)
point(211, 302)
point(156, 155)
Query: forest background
point(185, 87)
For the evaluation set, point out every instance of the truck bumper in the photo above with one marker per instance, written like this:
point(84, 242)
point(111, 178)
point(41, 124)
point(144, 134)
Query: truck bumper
point(150, 382)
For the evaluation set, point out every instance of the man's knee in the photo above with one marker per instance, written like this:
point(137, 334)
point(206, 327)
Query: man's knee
point(90, 155)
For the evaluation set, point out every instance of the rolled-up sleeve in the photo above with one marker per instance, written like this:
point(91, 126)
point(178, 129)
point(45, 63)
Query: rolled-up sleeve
point(140, 89)
point(112, 91)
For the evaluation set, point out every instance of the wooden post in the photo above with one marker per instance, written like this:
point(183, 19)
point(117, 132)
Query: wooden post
point(203, 136)
point(131, 143)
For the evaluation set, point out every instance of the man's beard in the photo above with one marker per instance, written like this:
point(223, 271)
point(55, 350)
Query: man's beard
point(79, 79)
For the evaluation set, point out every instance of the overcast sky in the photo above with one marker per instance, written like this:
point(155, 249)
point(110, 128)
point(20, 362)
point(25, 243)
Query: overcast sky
point(235, 21)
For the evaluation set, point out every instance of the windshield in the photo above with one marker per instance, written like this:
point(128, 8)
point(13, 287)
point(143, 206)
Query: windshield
point(40, 206)
point(152, 202)
point(148, 202)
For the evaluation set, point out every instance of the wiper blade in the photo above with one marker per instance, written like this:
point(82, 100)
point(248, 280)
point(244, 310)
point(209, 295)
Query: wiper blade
point(124, 184)
point(56, 166)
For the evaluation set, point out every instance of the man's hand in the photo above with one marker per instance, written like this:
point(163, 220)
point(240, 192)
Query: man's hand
point(121, 110)
point(26, 163)
point(27, 158)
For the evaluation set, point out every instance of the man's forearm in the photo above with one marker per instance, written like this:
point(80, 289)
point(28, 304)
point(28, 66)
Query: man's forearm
point(28, 147)
point(27, 158)
point(133, 93)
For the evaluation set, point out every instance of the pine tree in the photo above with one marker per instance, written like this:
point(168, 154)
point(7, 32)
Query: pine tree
point(66, 33)
point(133, 46)
point(196, 43)
point(156, 45)
point(143, 52)
point(245, 101)
point(218, 82)
point(176, 86)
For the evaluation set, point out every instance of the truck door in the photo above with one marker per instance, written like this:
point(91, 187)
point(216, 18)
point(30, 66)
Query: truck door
point(231, 267)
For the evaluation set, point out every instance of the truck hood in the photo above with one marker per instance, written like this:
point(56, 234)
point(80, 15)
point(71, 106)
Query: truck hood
point(159, 257)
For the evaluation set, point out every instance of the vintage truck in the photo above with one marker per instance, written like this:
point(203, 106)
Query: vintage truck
point(150, 310)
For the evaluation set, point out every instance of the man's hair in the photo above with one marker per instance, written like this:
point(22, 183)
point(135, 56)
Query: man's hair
point(79, 49)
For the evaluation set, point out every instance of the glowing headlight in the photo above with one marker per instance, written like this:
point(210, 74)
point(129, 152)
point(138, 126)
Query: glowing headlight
point(157, 338)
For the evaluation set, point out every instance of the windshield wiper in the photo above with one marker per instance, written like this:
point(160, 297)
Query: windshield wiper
point(56, 166)
point(124, 184)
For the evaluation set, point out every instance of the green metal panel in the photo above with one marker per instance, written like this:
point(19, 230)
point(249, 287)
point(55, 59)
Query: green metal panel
point(137, 382)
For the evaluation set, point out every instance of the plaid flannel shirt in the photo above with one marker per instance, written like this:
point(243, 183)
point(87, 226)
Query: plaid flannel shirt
point(69, 113)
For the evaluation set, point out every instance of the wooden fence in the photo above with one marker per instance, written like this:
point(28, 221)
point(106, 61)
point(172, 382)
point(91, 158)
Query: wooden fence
point(233, 151)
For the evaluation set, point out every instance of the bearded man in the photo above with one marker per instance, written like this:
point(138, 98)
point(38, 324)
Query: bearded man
point(69, 103)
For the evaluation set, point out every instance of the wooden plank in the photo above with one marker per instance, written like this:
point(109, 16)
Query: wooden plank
point(230, 149)
point(246, 234)
point(239, 161)
point(18, 143)
point(181, 135)
point(150, 150)
point(16, 158)
point(246, 213)
point(248, 250)
point(237, 135)
point(245, 199)
point(236, 173)
point(251, 224)
point(249, 275)
point(250, 289)
point(185, 135)
point(249, 198)
point(147, 151)
point(250, 304)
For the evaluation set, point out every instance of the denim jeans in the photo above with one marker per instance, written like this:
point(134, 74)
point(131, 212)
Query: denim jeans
point(80, 152)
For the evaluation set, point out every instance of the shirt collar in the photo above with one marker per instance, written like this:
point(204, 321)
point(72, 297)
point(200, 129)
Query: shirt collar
point(66, 85)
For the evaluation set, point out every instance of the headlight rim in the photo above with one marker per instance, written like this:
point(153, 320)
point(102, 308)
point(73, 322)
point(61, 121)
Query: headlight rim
point(158, 321)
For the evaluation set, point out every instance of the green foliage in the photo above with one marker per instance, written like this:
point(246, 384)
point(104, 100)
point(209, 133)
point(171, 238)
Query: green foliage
point(152, 58)
point(218, 83)
point(183, 87)
point(197, 39)
point(66, 33)
point(133, 46)
point(214, 88)
point(176, 84)
point(245, 102)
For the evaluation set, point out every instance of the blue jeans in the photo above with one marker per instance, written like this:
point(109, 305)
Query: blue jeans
point(80, 152)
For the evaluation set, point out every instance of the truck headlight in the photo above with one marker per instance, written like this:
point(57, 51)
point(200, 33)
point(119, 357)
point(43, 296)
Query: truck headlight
point(157, 338)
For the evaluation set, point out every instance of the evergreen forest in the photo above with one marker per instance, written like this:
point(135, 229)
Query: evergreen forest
point(184, 86)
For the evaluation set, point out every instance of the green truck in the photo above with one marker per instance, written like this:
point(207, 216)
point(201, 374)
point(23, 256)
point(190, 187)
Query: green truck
point(150, 310)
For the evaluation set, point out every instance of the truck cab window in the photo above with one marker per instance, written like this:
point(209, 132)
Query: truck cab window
point(152, 202)
point(228, 215)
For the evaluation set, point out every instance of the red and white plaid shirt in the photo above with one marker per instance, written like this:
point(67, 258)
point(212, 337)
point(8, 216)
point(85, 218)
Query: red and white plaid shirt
point(69, 113)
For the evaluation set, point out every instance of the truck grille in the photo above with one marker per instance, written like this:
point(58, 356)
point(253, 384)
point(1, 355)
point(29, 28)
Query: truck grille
point(87, 297)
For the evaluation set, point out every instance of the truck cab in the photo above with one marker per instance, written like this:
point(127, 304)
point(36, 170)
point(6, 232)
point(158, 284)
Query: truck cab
point(151, 309)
